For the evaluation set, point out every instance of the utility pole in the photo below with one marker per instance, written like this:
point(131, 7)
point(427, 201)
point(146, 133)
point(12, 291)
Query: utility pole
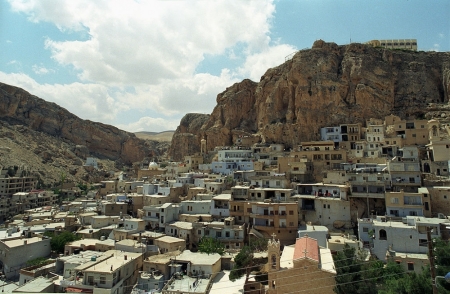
point(431, 260)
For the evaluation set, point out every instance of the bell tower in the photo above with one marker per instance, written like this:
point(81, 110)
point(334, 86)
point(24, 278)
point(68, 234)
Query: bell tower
point(273, 254)
point(433, 130)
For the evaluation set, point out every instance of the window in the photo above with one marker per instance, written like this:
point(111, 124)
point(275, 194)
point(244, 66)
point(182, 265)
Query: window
point(218, 234)
point(365, 230)
point(411, 180)
point(102, 280)
point(382, 235)
point(291, 212)
point(91, 280)
point(199, 232)
point(423, 242)
point(394, 200)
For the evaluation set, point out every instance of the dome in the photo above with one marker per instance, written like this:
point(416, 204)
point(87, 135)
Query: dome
point(153, 165)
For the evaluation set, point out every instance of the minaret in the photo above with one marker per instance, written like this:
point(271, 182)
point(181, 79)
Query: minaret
point(273, 254)
point(203, 146)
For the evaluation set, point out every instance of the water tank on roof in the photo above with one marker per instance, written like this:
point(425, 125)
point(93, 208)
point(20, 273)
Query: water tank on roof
point(94, 258)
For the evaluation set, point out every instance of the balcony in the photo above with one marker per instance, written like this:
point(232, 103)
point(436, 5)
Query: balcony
point(418, 203)
point(150, 218)
point(367, 195)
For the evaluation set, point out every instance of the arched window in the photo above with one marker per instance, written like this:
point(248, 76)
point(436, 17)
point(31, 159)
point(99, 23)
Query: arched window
point(274, 261)
point(434, 131)
point(383, 235)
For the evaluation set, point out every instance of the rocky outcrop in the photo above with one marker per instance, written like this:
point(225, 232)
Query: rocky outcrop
point(323, 86)
point(18, 107)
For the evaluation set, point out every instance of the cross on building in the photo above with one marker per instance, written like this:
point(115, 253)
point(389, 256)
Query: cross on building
point(305, 251)
point(273, 236)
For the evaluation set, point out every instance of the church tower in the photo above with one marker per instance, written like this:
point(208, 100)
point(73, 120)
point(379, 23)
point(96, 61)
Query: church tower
point(433, 130)
point(273, 254)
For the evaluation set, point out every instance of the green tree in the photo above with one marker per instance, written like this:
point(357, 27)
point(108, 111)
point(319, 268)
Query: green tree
point(243, 261)
point(210, 245)
point(408, 283)
point(348, 271)
point(58, 242)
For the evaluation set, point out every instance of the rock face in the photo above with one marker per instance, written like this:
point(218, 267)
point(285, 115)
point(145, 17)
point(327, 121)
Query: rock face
point(18, 107)
point(323, 86)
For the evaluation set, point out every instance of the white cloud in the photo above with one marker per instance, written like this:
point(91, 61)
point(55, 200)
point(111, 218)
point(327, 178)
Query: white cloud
point(258, 63)
point(435, 47)
point(88, 101)
point(144, 42)
point(141, 56)
point(147, 123)
point(40, 69)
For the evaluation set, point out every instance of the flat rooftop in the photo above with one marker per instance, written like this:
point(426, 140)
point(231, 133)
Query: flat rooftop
point(37, 285)
point(169, 239)
point(189, 285)
point(182, 225)
point(20, 242)
point(199, 258)
point(114, 262)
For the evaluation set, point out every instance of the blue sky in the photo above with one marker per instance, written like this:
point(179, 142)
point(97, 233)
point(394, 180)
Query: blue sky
point(142, 65)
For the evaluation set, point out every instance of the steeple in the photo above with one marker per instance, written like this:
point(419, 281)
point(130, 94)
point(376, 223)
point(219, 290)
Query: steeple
point(273, 254)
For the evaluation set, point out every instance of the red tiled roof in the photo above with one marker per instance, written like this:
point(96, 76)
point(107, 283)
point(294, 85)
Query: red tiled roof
point(306, 247)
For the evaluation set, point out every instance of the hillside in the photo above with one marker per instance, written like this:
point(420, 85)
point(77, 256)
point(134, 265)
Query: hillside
point(323, 86)
point(41, 137)
point(165, 136)
point(18, 107)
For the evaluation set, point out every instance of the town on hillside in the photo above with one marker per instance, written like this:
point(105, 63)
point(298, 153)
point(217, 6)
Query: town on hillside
point(324, 217)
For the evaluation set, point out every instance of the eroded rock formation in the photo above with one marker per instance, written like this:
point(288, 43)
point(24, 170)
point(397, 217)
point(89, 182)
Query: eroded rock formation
point(322, 86)
point(18, 107)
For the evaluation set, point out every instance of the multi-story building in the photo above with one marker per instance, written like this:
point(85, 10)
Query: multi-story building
point(11, 185)
point(401, 204)
point(324, 204)
point(405, 174)
point(275, 218)
point(407, 236)
point(114, 274)
point(406, 132)
point(231, 235)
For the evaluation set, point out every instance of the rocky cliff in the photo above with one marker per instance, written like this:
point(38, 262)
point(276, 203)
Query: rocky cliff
point(18, 107)
point(323, 86)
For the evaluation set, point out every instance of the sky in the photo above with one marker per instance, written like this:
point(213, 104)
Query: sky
point(142, 65)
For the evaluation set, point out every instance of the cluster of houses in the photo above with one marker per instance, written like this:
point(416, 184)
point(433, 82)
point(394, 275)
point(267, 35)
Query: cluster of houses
point(378, 188)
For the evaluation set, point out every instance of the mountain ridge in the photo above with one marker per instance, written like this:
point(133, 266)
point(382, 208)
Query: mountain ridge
point(323, 86)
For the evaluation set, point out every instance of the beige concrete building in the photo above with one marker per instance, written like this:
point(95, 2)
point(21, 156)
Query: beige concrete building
point(405, 44)
point(15, 252)
point(11, 185)
point(440, 200)
point(275, 218)
point(405, 132)
point(169, 244)
point(401, 204)
point(115, 274)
